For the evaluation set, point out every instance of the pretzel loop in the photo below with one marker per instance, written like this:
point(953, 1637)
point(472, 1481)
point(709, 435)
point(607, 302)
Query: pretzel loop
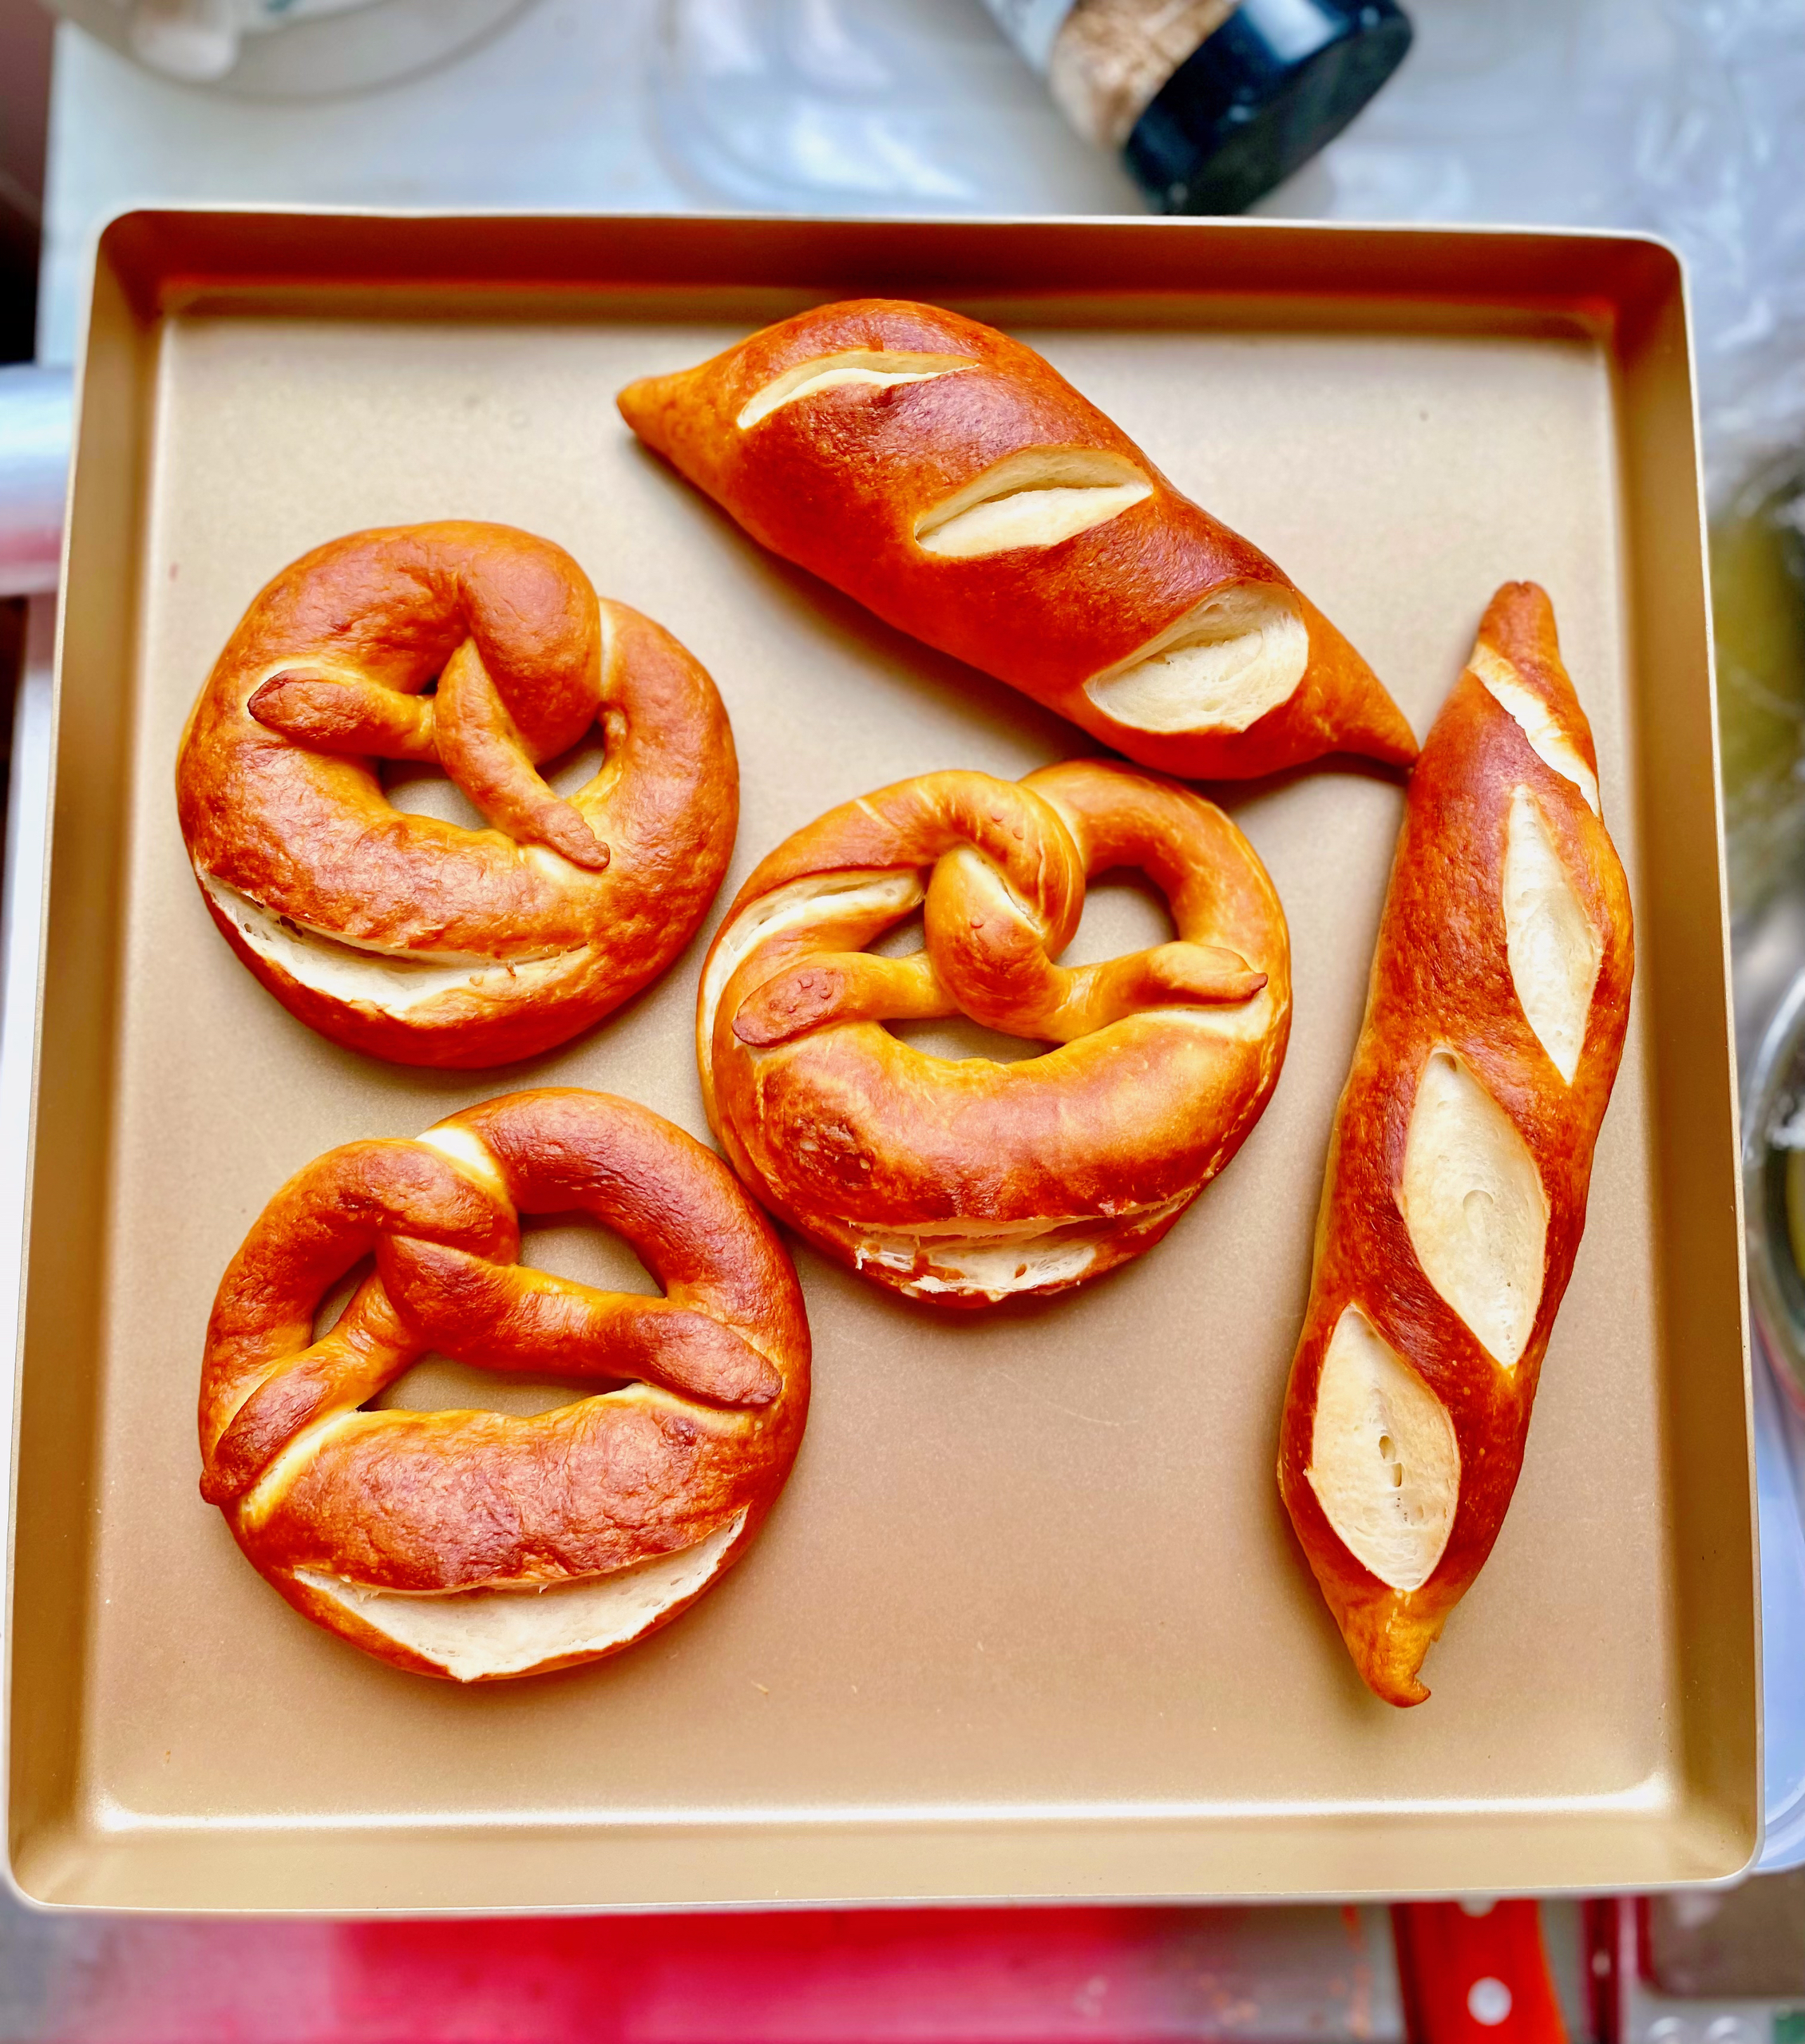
point(970, 1179)
point(645, 1490)
point(1004, 899)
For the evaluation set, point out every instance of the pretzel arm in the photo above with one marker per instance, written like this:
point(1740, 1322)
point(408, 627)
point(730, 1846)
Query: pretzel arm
point(849, 986)
point(1169, 976)
point(352, 715)
point(481, 748)
point(366, 1348)
point(507, 1316)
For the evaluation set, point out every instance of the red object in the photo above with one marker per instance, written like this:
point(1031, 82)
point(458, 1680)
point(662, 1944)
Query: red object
point(1476, 1973)
point(903, 1976)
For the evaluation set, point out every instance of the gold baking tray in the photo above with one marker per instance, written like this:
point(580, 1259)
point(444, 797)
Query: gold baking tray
point(1029, 1620)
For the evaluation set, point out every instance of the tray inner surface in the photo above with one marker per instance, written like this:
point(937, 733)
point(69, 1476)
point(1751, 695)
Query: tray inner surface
point(1029, 1618)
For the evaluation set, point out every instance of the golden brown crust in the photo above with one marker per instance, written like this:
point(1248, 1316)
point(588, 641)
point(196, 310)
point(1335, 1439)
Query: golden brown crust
point(704, 1390)
point(281, 807)
point(838, 481)
point(1442, 980)
point(968, 1181)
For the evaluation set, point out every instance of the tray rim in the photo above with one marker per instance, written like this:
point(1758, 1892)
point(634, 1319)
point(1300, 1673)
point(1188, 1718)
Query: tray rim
point(113, 254)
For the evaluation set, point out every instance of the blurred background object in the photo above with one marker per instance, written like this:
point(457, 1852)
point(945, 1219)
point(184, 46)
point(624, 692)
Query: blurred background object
point(843, 105)
point(1319, 1976)
point(290, 48)
point(25, 82)
point(1726, 1966)
point(1747, 1943)
point(864, 106)
point(35, 407)
point(1253, 102)
point(1758, 607)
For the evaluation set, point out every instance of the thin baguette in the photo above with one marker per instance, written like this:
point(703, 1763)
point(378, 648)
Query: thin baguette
point(1462, 1152)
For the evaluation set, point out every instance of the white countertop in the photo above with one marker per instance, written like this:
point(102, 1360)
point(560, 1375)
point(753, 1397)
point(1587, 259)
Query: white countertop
point(543, 114)
point(553, 111)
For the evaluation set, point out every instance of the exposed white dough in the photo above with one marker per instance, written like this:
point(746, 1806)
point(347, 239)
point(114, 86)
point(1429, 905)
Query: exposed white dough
point(474, 1633)
point(1555, 952)
point(396, 982)
point(993, 1266)
point(1220, 667)
point(997, 1260)
point(1546, 739)
point(270, 1488)
point(1033, 499)
point(1475, 1206)
point(1032, 517)
point(962, 1269)
point(466, 1149)
point(880, 366)
point(1384, 1463)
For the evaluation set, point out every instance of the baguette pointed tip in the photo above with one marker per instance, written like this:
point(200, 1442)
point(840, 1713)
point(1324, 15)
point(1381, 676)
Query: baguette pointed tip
point(1355, 713)
point(1388, 1644)
point(647, 406)
point(1519, 621)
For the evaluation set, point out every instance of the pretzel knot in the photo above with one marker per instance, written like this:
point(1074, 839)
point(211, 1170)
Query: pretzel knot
point(486, 652)
point(423, 1537)
point(969, 1180)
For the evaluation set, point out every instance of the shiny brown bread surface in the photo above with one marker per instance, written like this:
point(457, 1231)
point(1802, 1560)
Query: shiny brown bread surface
point(952, 482)
point(484, 650)
point(966, 1181)
point(1462, 1152)
point(366, 1520)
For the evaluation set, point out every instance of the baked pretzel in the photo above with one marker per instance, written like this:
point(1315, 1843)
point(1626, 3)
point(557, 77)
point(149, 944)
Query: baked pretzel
point(418, 939)
point(952, 482)
point(1461, 1153)
point(474, 1545)
point(968, 1181)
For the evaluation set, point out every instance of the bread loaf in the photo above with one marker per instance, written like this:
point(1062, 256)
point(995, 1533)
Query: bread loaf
point(952, 481)
point(1462, 1152)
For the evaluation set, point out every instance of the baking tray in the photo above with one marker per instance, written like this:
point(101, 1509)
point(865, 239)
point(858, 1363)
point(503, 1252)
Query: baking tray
point(1028, 1621)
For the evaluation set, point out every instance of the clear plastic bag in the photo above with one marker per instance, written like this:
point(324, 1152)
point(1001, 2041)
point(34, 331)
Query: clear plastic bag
point(864, 106)
point(1686, 117)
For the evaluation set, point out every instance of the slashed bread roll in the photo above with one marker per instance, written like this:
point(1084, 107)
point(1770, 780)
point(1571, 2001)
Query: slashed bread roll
point(1462, 1152)
point(952, 481)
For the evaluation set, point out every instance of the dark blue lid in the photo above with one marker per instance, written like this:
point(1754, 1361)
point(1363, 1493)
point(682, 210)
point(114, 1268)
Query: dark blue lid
point(1260, 96)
